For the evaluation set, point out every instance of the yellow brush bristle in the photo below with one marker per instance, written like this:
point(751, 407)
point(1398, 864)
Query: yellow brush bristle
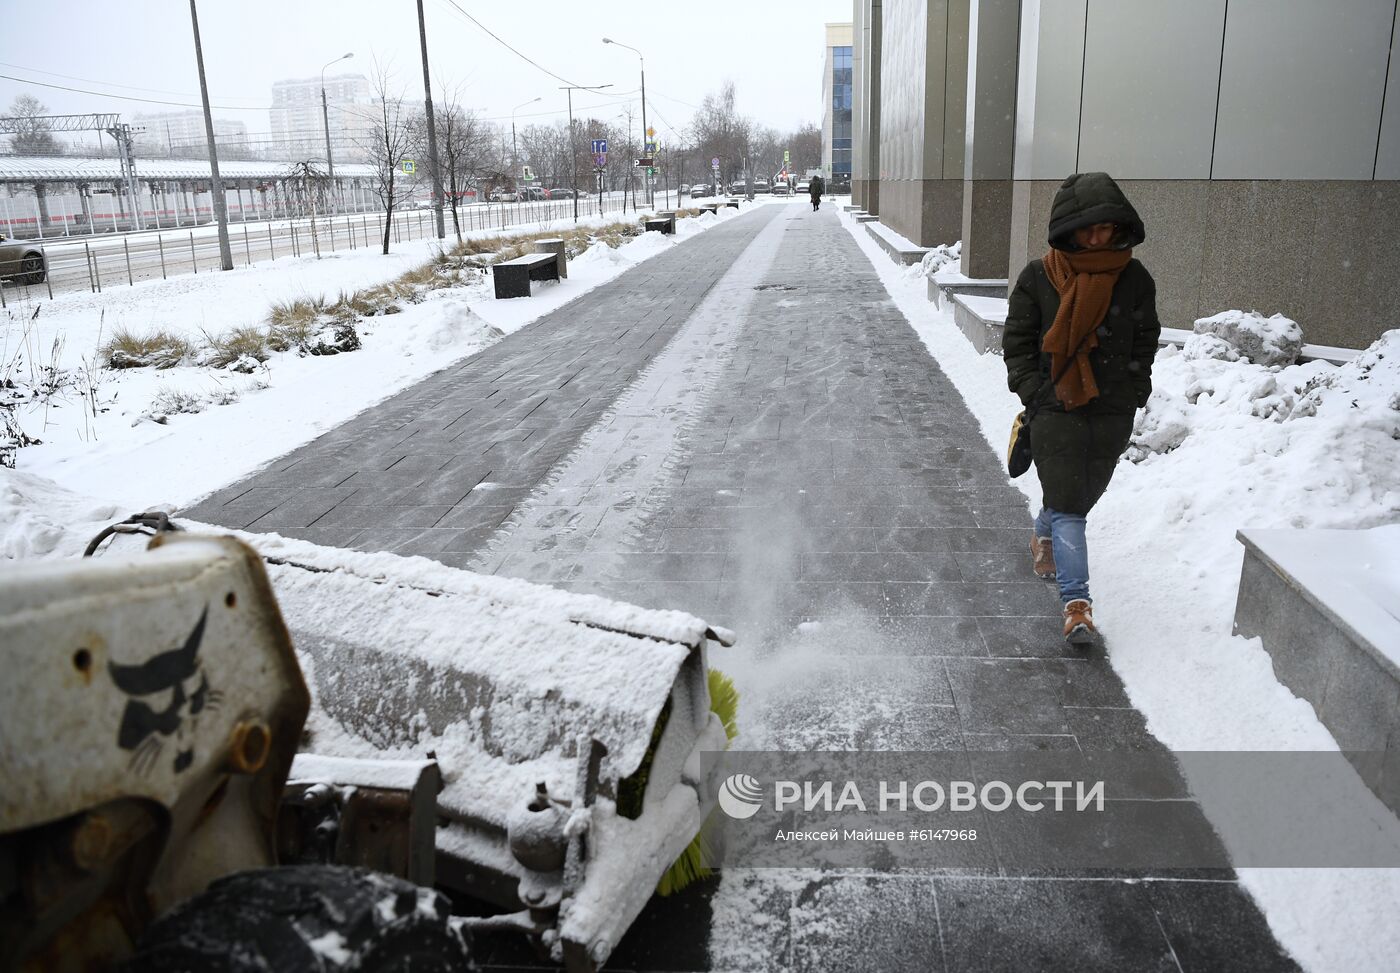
point(690, 866)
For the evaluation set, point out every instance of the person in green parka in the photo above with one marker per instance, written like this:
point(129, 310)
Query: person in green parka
point(1081, 334)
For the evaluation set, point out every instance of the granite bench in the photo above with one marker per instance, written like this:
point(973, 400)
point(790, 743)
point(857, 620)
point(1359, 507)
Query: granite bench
point(512, 277)
point(1326, 605)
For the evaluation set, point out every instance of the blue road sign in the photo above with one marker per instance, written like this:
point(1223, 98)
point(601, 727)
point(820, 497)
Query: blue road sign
point(600, 146)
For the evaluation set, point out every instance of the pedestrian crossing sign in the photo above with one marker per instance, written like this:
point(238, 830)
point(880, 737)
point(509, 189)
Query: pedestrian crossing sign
point(409, 167)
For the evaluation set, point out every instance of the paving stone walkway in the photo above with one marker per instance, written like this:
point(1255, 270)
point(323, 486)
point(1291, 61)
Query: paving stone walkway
point(746, 427)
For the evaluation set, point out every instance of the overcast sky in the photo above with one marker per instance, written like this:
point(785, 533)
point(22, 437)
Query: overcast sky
point(144, 49)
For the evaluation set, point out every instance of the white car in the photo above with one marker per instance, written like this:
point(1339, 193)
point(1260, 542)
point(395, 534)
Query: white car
point(804, 187)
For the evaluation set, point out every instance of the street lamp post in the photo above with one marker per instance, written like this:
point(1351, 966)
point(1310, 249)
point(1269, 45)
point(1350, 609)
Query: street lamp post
point(216, 185)
point(326, 121)
point(651, 200)
point(573, 150)
point(515, 155)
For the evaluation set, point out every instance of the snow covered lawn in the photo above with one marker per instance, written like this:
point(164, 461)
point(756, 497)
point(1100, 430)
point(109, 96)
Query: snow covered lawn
point(1222, 445)
point(141, 437)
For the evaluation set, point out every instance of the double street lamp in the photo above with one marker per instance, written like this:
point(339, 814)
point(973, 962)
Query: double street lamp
point(646, 134)
point(326, 121)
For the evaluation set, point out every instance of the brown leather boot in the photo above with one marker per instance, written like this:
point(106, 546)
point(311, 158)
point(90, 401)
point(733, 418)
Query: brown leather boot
point(1079, 622)
point(1043, 557)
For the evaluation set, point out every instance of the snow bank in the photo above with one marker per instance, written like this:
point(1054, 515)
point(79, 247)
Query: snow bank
point(1222, 446)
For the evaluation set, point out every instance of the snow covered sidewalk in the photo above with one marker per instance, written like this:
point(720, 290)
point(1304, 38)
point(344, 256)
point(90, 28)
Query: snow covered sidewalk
point(746, 428)
point(147, 436)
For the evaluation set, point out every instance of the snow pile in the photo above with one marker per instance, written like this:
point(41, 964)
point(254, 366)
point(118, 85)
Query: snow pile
point(1307, 445)
point(945, 255)
point(1222, 446)
point(1248, 335)
point(599, 255)
point(38, 518)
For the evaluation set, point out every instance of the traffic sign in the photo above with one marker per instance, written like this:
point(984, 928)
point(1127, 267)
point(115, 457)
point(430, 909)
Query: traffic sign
point(600, 146)
point(601, 160)
point(409, 167)
point(650, 131)
point(714, 163)
point(528, 174)
point(644, 163)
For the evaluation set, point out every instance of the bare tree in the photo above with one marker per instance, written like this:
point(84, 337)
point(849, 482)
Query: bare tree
point(307, 181)
point(388, 145)
point(33, 136)
point(765, 153)
point(721, 132)
point(459, 153)
point(805, 147)
point(546, 148)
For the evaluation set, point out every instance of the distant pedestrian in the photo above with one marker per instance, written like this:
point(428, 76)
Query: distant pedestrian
point(1081, 334)
point(816, 187)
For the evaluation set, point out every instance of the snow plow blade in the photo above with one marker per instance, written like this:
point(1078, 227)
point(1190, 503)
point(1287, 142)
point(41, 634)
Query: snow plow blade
point(568, 728)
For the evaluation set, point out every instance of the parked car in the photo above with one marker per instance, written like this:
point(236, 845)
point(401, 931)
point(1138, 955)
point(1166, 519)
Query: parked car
point(781, 187)
point(505, 196)
point(22, 261)
point(700, 190)
point(803, 187)
point(561, 193)
point(738, 188)
point(761, 186)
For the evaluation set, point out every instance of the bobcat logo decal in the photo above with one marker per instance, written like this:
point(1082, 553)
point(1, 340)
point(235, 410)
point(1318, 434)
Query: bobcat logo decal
point(168, 692)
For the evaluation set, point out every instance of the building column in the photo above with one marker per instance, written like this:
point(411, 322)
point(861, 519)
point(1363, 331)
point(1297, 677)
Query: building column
point(988, 162)
point(922, 104)
point(871, 132)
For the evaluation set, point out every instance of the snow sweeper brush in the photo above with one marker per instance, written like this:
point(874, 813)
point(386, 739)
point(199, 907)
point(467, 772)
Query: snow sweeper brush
point(563, 735)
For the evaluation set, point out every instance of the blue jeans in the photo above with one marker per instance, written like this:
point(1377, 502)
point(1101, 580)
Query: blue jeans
point(1066, 533)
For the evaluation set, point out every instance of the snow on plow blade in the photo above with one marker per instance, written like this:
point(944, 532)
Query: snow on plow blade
point(568, 728)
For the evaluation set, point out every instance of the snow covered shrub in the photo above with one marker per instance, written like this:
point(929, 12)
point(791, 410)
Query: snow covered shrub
point(941, 256)
point(156, 349)
point(298, 312)
point(169, 402)
point(1273, 341)
point(246, 365)
point(292, 334)
point(236, 343)
point(172, 402)
point(340, 336)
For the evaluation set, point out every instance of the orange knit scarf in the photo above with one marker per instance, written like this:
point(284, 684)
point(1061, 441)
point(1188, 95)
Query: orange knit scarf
point(1085, 282)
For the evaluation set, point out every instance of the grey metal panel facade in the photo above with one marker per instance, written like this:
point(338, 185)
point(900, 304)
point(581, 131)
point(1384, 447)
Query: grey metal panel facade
point(993, 36)
point(1301, 89)
point(1150, 79)
point(860, 115)
point(952, 30)
point(903, 73)
point(1388, 146)
point(1049, 82)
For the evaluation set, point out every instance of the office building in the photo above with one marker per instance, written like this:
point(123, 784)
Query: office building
point(836, 108)
point(1259, 140)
